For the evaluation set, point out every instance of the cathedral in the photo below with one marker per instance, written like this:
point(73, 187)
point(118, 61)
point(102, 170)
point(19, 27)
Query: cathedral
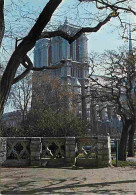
point(72, 76)
point(74, 73)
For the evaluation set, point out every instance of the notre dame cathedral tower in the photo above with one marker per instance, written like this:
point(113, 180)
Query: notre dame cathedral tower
point(73, 75)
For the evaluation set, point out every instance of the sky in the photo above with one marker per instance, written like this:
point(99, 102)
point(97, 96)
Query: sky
point(106, 38)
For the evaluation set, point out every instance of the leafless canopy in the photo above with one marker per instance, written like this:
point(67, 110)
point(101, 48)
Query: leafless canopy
point(118, 83)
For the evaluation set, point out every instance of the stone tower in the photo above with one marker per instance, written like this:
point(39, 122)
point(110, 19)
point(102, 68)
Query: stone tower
point(74, 73)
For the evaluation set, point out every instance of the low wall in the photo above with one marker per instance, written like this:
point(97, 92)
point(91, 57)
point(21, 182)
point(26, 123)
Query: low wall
point(55, 151)
point(3, 149)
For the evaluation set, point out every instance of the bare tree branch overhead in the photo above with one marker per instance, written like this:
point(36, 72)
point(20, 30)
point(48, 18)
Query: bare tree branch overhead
point(70, 39)
point(113, 5)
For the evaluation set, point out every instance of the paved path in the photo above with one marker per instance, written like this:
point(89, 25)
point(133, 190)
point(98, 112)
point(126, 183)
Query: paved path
point(131, 159)
point(40, 181)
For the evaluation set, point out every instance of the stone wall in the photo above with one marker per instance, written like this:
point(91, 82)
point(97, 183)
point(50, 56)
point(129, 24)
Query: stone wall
point(35, 151)
point(3, 150)
point(104, 151)
point(54, 151)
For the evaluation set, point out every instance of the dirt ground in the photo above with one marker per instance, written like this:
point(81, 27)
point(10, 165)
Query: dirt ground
point(38, 181)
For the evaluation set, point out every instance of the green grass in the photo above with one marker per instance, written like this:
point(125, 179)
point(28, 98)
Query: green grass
point(124, 163)
point(92, 155)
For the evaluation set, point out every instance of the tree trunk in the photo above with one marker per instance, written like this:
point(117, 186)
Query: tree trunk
point(124, 138)
point(23, 48)
point(2, 29)
point(2, 26)
point(84, 116)
point(131, 152)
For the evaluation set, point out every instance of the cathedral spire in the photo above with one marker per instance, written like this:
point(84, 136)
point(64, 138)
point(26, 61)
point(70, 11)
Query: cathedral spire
point(130, 39)
point(66, 21)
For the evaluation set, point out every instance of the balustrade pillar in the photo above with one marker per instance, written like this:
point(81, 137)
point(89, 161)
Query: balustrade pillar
point(3, 150)
point(35, 148)
point(104, 151)
point(70, 150)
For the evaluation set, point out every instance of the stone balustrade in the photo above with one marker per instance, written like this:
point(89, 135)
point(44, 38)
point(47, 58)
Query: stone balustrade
point(55, 151)
point(3, 149)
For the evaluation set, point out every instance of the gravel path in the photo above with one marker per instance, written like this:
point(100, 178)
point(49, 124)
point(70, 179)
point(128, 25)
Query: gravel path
point(68, 181)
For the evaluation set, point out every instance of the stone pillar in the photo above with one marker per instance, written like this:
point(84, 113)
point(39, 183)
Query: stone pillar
point(45, 53)
point(104, 151)
point(70, 150)
point(109, 111)
point(41, 53)
point(84, 106)
point(74, 50)
point(68, 70)
point(102, 110)
point(55, 54)
point(93, 117)
point(35, 148)
point(65, 49)
point(3, 150)
point(36, 58)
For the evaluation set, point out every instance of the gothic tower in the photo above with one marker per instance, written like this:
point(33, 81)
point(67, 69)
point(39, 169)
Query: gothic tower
point(74, 73)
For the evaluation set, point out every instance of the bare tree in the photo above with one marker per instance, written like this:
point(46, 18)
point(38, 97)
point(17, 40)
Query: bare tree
point(20, 54)
point(20, 95)
point(49, 93)
point(118, 87)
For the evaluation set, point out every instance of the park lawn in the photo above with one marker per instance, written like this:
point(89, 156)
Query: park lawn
point(124, 163)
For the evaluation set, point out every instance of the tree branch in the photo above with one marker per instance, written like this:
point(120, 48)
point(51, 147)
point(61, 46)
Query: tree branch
point(27, 63)
point(21, 76)
point(69, 38)
point(22, 49)
point(50, 67)
point(2, 25)
point(113, 6)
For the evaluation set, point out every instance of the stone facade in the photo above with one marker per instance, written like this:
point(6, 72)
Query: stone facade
point(48, 52)
point(73, 75)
